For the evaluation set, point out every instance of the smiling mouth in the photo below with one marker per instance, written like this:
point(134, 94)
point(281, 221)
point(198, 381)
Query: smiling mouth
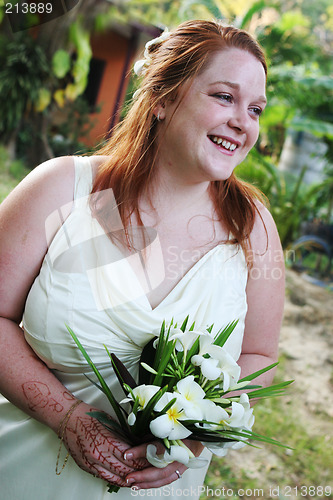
point(228, 145)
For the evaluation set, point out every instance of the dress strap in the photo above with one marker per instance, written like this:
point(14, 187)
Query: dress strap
point(83, 177)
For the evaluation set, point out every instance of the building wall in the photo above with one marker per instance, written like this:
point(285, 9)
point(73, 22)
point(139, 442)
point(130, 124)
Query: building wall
point(111, 48)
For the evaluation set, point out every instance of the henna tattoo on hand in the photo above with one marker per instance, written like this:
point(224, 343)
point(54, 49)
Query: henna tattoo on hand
point(96, 448)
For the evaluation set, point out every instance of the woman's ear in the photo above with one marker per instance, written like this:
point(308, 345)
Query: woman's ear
point(159, 112)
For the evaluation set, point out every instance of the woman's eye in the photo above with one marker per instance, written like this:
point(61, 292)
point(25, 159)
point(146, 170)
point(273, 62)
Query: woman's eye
point(256, 110)
point(224, 97)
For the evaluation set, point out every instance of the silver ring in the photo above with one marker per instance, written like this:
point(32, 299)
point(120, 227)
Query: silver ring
point(178, 474)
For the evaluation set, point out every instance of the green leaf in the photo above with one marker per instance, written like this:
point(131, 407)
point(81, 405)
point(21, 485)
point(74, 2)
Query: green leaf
point(259, 372)
point(222, 336)
point(105, 387)
point(271, 391)
point(319, 128)
point(61, 63)
point(254, 9)
point(183, 327)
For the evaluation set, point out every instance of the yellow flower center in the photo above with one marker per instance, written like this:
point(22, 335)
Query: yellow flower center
point(173, 413)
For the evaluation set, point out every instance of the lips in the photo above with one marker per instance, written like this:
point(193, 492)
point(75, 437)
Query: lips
point(224, 142)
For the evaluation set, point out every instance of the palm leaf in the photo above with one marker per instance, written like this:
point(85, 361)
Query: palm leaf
point(115, 405)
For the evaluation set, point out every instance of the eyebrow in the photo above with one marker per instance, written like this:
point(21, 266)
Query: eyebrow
point(236, 86)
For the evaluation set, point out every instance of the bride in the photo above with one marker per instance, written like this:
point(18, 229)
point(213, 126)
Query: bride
point(184, 236)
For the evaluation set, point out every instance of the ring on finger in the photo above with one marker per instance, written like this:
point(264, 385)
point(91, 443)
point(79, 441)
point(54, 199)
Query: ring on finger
point(178, 474)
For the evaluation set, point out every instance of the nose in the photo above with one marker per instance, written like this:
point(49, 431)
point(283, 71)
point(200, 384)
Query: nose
point(238, 119)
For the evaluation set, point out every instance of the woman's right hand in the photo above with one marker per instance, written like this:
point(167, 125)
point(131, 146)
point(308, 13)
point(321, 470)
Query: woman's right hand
point(96, 450)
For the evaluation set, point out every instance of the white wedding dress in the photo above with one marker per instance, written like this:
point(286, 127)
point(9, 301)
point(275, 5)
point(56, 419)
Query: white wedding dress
point(104, 303)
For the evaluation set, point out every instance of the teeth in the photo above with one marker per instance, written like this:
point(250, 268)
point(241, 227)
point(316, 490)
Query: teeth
point(225, 144)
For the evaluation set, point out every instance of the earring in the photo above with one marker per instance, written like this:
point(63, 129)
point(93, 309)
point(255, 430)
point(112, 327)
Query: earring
point(158, 117)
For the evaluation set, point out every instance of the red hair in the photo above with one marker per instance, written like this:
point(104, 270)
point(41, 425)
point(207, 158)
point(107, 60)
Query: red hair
point(132, 148)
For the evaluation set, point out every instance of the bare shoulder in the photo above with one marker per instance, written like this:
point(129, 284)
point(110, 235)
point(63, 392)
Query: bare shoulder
point(53, 178)
point(96, 162)
point(264, 236)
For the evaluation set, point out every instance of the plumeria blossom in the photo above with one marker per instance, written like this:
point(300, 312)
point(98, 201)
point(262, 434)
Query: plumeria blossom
point(217, 417)
point(242, 414)
point(143, 393)
point(184, 340)
point(175, 453)
point(215, 362)
point(191, 397)
point(140, 67)
point(168, 424)
point(241, 418)
point(221, 449)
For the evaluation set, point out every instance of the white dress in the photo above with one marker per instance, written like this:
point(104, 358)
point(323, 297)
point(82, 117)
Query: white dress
point(104, 303)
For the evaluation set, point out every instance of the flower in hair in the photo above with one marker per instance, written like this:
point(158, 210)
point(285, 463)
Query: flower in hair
point(141, 66)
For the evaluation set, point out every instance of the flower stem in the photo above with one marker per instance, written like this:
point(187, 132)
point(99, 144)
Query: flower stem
point(183, 445)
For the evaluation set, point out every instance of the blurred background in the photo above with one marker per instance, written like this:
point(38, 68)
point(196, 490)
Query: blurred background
point(66, 81)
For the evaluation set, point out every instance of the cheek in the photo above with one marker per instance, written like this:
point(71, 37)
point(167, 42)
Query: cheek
point(253, 136)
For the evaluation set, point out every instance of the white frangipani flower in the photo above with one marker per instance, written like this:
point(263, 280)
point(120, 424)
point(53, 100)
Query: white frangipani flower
point(215, 362)
point(221, 449)
point(144, 393)
point(175, 454)
point(184, 340)
point(242, 414)
point(191, 397)
point(131, 419)
point(141, 66)
point(156, 40)
point(168, 424)
point(218, 416)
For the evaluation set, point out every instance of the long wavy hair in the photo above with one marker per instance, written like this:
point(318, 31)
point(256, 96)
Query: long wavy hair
point(132, 147)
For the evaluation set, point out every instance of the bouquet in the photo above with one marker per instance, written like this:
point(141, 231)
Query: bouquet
point(188, 387)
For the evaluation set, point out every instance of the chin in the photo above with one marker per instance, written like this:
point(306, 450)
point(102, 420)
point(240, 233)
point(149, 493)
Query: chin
point(221, 176)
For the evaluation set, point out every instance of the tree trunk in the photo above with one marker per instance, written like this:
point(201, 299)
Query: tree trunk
point(39, 150)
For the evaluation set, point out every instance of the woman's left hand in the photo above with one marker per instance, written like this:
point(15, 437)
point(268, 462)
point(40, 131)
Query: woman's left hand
point(154, 477)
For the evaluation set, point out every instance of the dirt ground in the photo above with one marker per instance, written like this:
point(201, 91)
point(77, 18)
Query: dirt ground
point(306, 350)
point(307, 342)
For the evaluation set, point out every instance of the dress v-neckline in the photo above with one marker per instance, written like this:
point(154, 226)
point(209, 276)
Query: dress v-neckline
point(185, 277)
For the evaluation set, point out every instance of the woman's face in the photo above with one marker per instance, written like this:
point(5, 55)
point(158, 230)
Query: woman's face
point(205, 136)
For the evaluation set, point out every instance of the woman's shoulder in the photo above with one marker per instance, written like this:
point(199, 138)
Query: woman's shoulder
point(264, 235)
point(23, 232)
point(51, 184)
point(47, 186)
point(96, 161)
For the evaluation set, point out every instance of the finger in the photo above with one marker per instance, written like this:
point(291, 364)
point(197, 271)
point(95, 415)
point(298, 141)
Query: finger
point(138, 453)
point(153, 477)
point(104, 449)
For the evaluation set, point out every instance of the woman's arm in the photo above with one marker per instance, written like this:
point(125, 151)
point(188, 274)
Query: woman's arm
point(265, 296)
point(24, 379)
point(22, 248)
